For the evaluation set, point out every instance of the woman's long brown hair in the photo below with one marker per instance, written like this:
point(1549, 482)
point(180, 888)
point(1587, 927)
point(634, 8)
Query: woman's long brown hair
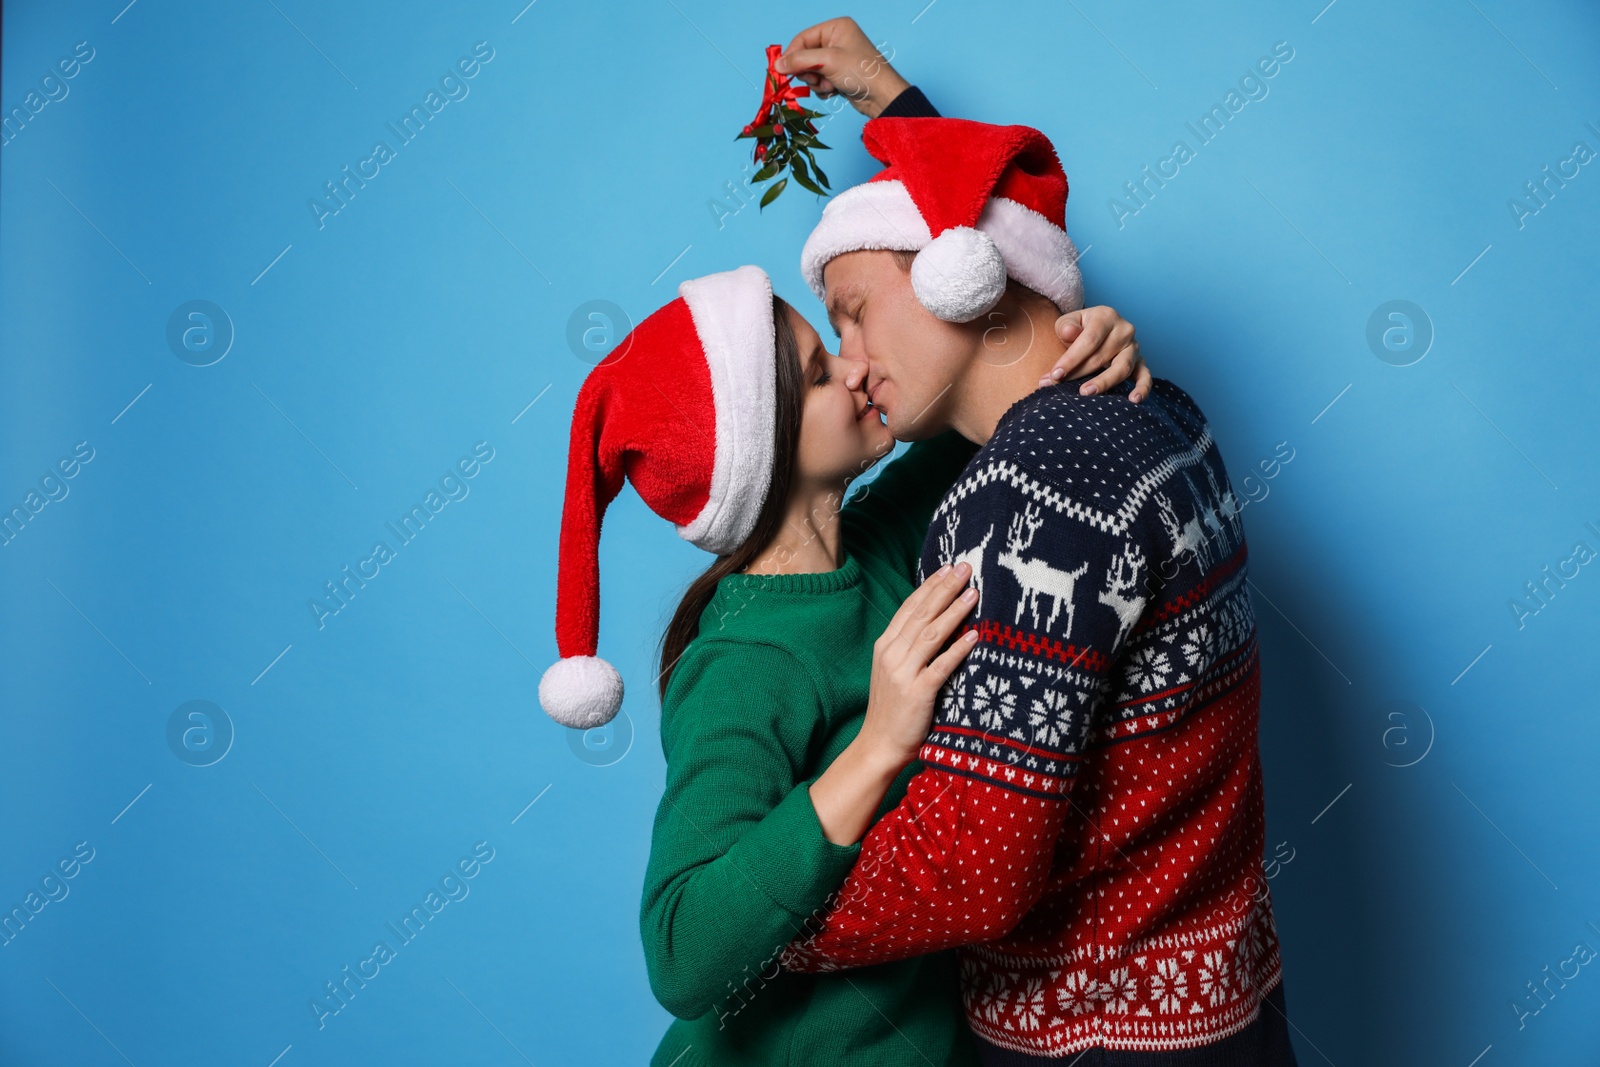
point(790, 399)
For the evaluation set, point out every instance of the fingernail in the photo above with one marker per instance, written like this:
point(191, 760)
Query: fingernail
point(970, 595)
point(963, 568)
point(1089, 390)
point(970, 636)
point(1056, 373)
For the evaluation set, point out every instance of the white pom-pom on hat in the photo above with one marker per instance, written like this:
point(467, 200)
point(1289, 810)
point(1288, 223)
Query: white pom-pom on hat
point(959, 275)
point(581, 692)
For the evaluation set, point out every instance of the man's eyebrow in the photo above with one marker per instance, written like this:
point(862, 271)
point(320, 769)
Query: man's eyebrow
point(832, 319)
point(837, 298)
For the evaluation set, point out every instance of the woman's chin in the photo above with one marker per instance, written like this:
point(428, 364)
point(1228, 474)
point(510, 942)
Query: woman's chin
point(874, 426)
point(876, 443)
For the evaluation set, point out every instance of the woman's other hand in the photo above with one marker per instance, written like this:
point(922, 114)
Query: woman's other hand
point(837, 57)
point(910, 662)
point(1099, 339)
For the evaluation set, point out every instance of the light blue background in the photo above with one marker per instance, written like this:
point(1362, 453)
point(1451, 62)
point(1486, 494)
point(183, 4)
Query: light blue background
point(431, 311)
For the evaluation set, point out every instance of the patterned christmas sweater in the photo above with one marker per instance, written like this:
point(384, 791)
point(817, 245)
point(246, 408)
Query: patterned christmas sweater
point(1088, 821)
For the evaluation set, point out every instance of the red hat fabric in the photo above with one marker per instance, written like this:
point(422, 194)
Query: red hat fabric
point(976, 202)
point(684, 409)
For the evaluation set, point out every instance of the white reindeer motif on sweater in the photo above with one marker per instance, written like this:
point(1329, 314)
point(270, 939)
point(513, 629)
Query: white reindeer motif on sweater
point(1228, 504)
point(972, 557)
point(1037, 577)
point(1121, 591)
point(1186, 537)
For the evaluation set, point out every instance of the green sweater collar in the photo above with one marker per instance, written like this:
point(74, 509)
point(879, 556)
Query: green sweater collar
point(846, 576)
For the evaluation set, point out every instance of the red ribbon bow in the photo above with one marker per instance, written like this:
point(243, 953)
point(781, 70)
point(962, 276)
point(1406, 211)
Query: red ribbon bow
point(778, 91)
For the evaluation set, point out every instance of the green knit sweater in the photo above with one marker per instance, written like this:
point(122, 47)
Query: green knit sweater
point(770, 692)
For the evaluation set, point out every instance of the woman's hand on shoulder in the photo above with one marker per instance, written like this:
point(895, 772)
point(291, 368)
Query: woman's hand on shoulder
point(1099, 339)
point(911, 661)
point(909, 664)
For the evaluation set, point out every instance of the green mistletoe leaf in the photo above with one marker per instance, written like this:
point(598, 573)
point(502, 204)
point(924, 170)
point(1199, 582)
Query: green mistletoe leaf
point(821, 177)
point(772, 193)
point(798, 167)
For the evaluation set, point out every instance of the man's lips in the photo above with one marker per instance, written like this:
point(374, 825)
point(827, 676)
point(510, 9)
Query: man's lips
point(872, 394)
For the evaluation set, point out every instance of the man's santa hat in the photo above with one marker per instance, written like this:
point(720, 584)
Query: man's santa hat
point(975, 202)
point(684, 408)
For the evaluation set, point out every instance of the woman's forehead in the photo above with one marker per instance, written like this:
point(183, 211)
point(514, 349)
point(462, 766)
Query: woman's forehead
point(805, 334)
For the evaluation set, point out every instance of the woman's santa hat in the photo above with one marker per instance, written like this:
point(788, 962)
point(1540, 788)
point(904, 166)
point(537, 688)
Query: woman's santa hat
point(975, 202)
point(683, 408)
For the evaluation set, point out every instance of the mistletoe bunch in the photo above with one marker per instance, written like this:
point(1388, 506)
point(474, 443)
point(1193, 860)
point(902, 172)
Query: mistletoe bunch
point(784, 134)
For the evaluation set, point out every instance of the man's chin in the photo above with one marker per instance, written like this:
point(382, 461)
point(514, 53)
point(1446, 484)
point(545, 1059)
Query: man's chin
point(916, 431)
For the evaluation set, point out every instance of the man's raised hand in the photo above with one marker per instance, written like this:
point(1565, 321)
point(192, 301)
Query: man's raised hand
point(837, 57)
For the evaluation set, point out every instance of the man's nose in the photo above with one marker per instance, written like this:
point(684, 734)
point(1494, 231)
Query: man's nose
point(854, 371)
point(852, 351)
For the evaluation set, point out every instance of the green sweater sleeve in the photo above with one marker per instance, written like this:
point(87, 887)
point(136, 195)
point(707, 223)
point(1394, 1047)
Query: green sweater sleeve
point(893, 510)
point(737, 856)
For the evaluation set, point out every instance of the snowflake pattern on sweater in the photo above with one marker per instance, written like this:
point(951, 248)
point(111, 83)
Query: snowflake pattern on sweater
point(1088, 823)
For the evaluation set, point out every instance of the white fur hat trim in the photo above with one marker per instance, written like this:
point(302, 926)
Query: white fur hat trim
point(881, 215)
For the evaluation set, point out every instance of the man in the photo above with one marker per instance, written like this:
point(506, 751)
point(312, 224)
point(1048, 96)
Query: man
point(1088, 822)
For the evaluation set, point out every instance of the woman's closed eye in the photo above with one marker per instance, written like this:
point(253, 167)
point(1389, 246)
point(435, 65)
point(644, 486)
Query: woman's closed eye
point(824, 378)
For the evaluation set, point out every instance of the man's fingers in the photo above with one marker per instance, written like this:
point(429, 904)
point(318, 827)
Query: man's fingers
point(811, 37)
point(807, 59)
point(814, 67)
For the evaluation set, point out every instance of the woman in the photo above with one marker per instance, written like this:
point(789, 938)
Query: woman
point(798, 674)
